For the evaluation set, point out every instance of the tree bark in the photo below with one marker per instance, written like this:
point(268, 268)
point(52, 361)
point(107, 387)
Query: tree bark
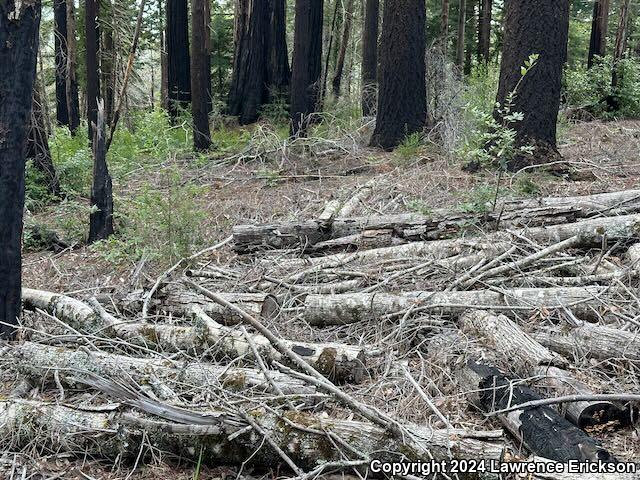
point(19, 23)
point(599, 29)
point(328, 46)
point(92, 48)
point(444, 24)
point(60, 46)
point(622, 36)
point(370, 58)
point(71, 85)
point(344, 44)
point(278, 71)
point(200, 73)
point(534, 27)
point(38, 146)
point(307, 64)
point(164, 67)
point(178, 59)
point(402, 103)
point(462, 25)
point(470, 35)
point(484, 31)
point(101, 217)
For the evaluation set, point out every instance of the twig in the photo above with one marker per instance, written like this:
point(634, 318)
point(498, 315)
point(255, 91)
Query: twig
point(603, 397)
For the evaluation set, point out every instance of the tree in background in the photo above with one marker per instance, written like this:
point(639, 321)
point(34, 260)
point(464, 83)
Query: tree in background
point(599, 28)
point(370, 57)
point(92, 47)
point(346, 32)
point(462, 25)
point(200, 73)
point(38, 145)
point(622, 35)
point(402, 102)
point(470, 35)
point(484, 31)
point(178, 59)
point(534, 27)
point(307, 63)
point(108, 61)
point(60, 46)
point(278, 71)
point(19, 23)
point(71, 82)
point(444, 24)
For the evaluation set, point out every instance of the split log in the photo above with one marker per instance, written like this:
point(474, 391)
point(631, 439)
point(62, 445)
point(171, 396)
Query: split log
point(321, 310)
point(589, 340)
point(227, 438)
point(528, 357)
point(439, 224)
point(41, 361)
point(542, 430)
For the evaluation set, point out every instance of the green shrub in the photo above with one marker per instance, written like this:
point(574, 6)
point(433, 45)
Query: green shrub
point(72, 160)
point(37, 194)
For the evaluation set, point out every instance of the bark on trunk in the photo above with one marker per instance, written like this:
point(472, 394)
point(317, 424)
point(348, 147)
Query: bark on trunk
point(307, 63)
point(462, 24)
point(444, 25)
point(470, 36)
point(484, 31)
point(19, 23)
point(370, 58)
point(599, 28)
point(534, 27)
point(402, 103)
point(542, 430)
point(38, 146)
point(92, 48)
point(101, 217)
point(322, 310)
point(278, 71)
point(344, 44)
point(71, 86)
point(60, 46)
point(620, 50)
point(200, 73)
point(178, 59)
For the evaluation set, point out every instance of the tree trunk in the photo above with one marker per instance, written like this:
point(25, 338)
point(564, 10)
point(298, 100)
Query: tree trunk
point(19, 23)
point(278, 71)
point(344, 44)
point(534, 27)
point(470, 33)
point(444, 25)
point(599, 28)
point(307, 63)
point(38, 146)
point(370, 58)
point(101, 217)
point(60, 36)
point(178, 60)
point(402, 103)
point(329, 50)
point(484, 31)
point(92, 46)
point(200, 73)
point(164, 89)
point(620, 50)
point(462, 25)
point(108, 68)
point(71, 85)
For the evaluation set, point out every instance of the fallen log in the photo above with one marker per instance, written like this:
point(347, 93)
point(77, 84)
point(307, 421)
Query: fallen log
point(590, 340)
point(527, 357)
point(542, 430)
point(321, 310)
point(38, 361)
point(439, 224)
point(228, 439)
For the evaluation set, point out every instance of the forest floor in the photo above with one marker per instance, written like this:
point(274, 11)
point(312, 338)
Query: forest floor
point(603, 155)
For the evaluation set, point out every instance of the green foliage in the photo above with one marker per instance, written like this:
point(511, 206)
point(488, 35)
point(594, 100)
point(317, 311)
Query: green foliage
point(478, 200)
point(277, 111)
point(37, 194)
point(525, 185)
point(72, 160)
point(410, 147)
point(418, 205)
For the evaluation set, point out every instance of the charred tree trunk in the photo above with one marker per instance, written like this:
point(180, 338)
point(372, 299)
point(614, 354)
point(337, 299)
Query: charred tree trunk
point(101, 217)
point(71, 84)
point(346, 33)
point(540, 26)
point(484, 31)
point(620, 50)
point(599, 28)
point(38, 146)
point(200, 73)
point(19, 23)
point(60, 36)
point(249, 82)
point(92, 40)
point(462, 25)
point(278, 71)
point(402, 103)
point(470, 35)
point(307, 63)
point(178, 60)
point(370, 58)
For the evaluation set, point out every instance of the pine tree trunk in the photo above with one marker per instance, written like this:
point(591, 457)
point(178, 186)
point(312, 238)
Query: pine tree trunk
point(178, 60)
point(200, 73)
point(470, 35)
point(19, 23)
point(101, 217)
point(346, 33)
point(92, 48)
point(249, 82)
point(462, 25)
point(307, 63)
point(370, 58)
point(402, 104)
point(534, 26)
point(622, 36)
point(60, 37)
point(278, 71)
point(71, 84)
point(484, 31)
point(38, 145)
point(599, 28)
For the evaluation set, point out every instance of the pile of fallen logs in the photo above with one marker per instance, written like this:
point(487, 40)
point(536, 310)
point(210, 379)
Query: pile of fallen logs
point(329, 343)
